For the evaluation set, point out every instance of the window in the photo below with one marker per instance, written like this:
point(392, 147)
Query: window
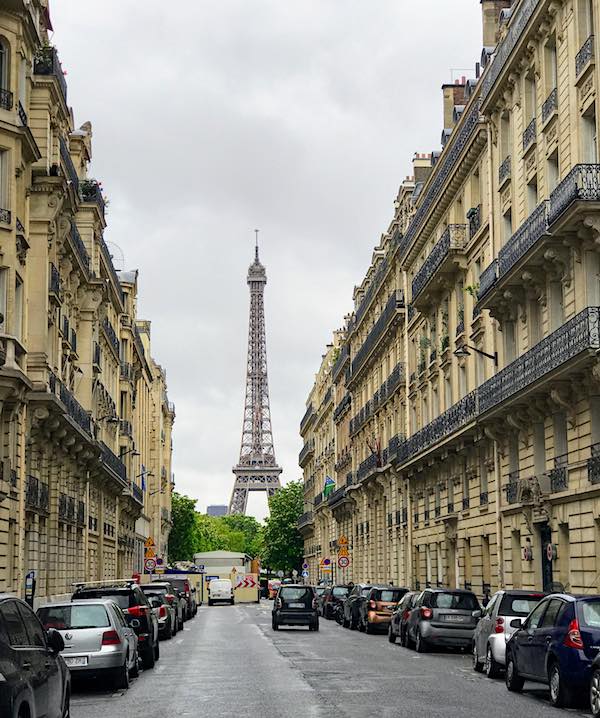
point(532, 195)
point(458, 601)
point(589, 133)
point(556, 305)
point(74, 617)
point(4, 64)
point(518, 605)
point(539, 448)
point(510, 341)
point(4, 198)
point(35, 632)
point(530, 96)
point(552, 170)
point(507, 228)
point(590, 613)
point(551, 66)
point(536, 616)
point(3, 294)
point(462, 380)
point(586, 19)
point(11, 618)
point(448, 391)
point(505, 138)
point(18, 330)
point(551, 614)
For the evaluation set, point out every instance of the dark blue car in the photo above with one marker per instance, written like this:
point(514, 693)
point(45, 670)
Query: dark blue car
point(556, 645)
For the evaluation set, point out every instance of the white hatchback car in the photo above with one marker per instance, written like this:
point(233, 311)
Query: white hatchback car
point(220, 589)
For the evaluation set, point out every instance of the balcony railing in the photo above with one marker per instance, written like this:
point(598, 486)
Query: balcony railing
point(79, 246)
point(306, 519)
point(307, 450)
point(126, 371)
point(5, 216)
point(340, 362)
point(74, 409)
point(337, 496)
point(112, 461)
point(593, 465)
point(474, 218)
point(97, 354)
point(453, 239)
point(528, 234)
point(483, 498)
point(488, 278)
point(368, 467)
point(395, 302)
point(54, 280)
point(581, 184)
point(65, 156)
point(580, 334)
point(125, 428)
point(137, 340)
point(22, 114)
point(74, 341)
point(6, 99)
point(111, 266)
point(559, 475)
point(80, 513)
point(529, 135)
point(371, 291)
point(137, 493)
point(91, 192)
point(584, 55)
point(550, 105)
point(47, 63)
point(342, 408)
point(361, 418)
point(504, 171)
point(111, 335)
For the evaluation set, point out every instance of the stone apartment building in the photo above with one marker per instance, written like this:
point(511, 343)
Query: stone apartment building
point(85, 449)
point(467, 417)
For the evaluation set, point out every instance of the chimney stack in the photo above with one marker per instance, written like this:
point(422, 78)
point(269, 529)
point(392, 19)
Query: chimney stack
point(422, 166)
point(453, 95)
point(490, 11)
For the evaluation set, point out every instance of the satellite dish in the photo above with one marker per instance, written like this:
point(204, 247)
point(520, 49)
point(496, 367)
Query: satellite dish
point(117, 256)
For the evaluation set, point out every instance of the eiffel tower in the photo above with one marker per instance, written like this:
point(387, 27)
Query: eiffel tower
point(257, 469)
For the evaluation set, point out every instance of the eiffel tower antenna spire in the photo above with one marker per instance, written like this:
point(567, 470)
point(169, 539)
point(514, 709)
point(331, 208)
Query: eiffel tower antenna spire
point(256, 469)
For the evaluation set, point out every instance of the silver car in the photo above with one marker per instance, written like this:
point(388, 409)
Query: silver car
point(98, 641)
point(493, 630)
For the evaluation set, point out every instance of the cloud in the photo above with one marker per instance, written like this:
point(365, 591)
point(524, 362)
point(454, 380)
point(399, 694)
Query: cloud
point(216, 118)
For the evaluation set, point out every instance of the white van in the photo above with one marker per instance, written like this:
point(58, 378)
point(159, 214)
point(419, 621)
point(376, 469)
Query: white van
point(220, 589)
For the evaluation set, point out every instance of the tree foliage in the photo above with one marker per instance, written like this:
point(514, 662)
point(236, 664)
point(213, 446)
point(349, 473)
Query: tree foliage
point(182, 539)
point(283, 546)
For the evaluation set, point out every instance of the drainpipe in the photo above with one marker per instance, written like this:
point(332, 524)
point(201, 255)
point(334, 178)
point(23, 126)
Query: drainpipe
point(86, 528)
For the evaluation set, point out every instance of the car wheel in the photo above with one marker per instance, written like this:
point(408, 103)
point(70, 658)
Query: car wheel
point(477, 665)
point(345, 623)
point(122, 676)
point(135, 669)
point(274, 624)
point(316, 625)
point(514, 682)
point(403, 642)
point(148, 659)
point(156, 651)
point(169, 632)
point(368, 626)
point(595, 693)
point(492, 667)
point(560, 696)
point(420, 645)
point(391, 635)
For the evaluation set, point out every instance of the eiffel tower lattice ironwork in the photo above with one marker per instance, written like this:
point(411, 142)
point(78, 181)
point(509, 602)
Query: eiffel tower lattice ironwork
point(257, 469)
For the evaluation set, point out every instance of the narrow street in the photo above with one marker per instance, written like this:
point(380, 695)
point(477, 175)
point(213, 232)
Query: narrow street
point(228, 661)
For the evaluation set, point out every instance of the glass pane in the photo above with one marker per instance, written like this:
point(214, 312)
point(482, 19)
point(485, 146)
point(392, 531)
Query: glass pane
point(17, 635)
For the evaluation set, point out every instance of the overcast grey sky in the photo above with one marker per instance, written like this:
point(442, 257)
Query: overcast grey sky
point(213, 118)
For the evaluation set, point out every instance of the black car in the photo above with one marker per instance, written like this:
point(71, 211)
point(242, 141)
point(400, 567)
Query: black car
point(184, 590)
point(36, 681)
point(295, 605)
point(137, 609)
point(353, 604)
point(397, 627)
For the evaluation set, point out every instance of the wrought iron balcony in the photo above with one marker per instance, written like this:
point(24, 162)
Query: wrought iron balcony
point(394, 303)
point(577, 337)
point(593, 465)
point(504, 171)
point(530, 134)
point(74, 409)
point(81, 513)
point(437, 512)
point(474, 219)
point(74, 341)
point(453, 240)
point(111, 335)
point(91, 192)
point(126, 371)
point(36, 494)
point(6, 99)
point(559, 475)
point(125, 428)
point(306, 519)
point(54, 281)
point(340, 362)
point(337, 497)
point(318, 500)
point(488, 278)
point(529, 233)
point(350, 479)
point(359, 420)
point(22, 114)
point(137, 493)
point(111, 267)
point(483, 498)
point(47, 63)
point(71, 172)
point(453, 419)
point(5, 216)
point(581, 184)
point(394, 446)
point(584, 56)
point(79, 247)
point(368, 467)
point(112, 462)
point(342, 408)
point(97, 354)
point(550, 106)
point(466, 503)
point(380, 272)
point(308, 450)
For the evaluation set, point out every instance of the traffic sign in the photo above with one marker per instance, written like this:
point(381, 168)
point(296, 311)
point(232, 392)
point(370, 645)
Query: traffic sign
point(150, 553)
point(149, 565)
point(343, 561)
point(343, 541)
point(305, 566)
point(149, 542)
point(294, 573)
point(326, 569)
point(304, 574)
point(343, 551)
point(246, 582)
point(325, 562)
point(200, 567)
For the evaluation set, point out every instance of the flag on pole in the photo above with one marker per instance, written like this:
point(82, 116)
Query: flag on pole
point(329, 486)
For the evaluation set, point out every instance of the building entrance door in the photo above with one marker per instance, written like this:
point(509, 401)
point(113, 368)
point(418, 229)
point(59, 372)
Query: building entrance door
point(545, 541)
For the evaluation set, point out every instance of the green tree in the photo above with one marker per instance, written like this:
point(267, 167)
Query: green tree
point(183, 536)
point(283, 546)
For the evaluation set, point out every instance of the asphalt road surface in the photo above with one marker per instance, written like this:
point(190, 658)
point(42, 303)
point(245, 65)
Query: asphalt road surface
point(229, 662)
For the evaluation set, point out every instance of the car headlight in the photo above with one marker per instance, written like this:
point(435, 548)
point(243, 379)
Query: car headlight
point(2, 678)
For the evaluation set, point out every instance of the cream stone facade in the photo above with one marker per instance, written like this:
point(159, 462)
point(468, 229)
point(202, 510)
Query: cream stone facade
point(86, 426)
point(469, 365)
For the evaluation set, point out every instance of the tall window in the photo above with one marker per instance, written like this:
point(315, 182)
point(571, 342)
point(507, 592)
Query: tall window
point(505, 138)
point(4, 61)
point(530, 97)
point(551, 65)
point(18, 330)
point(589, 136)
point(586, 19)
point(3, 295)
point(532, 195)
point(552, 171)
point(3, 182)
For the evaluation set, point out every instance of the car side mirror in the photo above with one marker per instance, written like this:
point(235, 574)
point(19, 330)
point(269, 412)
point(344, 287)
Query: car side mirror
point(55, 640)
point(516, 623)
point(477, 614)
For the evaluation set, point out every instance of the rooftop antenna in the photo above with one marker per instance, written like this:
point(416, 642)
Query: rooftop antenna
point(256, 231)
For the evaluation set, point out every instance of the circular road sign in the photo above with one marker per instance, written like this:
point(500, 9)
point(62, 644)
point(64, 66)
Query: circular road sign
point(343, 561)
point(326, 561)
point(305, 574)
point(549, 552)
point(280, 574)
point(149, 564)
point(305, 565)
point(294, 573)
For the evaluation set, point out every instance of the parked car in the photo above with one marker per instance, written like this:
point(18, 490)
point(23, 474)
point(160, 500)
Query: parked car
point(186, 591)
point(375, 613)
point(320, 592)
point(494, 629)
point(556, 645)
point(35, 679)
point(331, 597)
point(164, 613)
point(352, 604)
point(398, 622)
point(177, 603)
point(442, 617)
point(220, 589)
point(98, 641)
point(136, 607)
point(295, 605)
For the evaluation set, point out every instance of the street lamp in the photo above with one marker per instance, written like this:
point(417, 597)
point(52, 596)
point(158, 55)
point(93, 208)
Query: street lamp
point(133, 452)
point(110, 418)
point(144, 473)
point(463, 351)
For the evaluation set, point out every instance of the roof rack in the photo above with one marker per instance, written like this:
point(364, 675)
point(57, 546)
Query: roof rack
point(115, 583)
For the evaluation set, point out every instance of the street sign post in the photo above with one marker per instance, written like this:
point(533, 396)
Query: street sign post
point(294, 573)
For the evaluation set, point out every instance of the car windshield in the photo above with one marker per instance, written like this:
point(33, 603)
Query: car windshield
point(590, 613)
point(387, 595)
point(295, 594)
point(340, 591)
point(519, 605)
point(73, 617)
point(458, 601)
point(320, 590)
point(365, 591)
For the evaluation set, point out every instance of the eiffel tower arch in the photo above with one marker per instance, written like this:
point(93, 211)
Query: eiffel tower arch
point(257, 469)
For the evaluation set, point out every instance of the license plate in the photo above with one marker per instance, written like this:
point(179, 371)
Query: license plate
point(296, 605)
point(74, 661)
point(454, 619)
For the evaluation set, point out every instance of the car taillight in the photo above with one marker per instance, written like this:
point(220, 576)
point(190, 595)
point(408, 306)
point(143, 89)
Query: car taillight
point(110, 638)
point(499, 627)
point(426, 613)
point(372, 605)
point(573, 638)
point(169, 597)
point(162, 611)
point(137, 611)
point(405, 615)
